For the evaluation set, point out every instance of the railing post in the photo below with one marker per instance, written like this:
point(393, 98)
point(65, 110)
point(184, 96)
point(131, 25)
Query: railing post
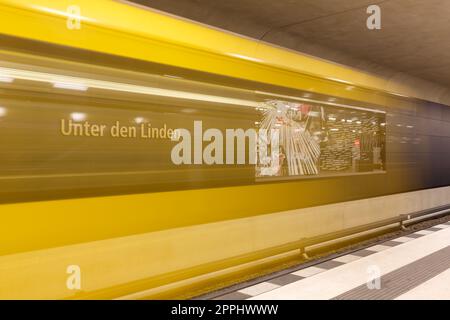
point(402, 226)
point(303, 253)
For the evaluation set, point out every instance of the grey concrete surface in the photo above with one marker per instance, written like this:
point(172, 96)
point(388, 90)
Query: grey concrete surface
point(411, 45)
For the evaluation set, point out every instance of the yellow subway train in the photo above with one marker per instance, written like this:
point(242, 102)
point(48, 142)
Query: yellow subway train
point(145, 156)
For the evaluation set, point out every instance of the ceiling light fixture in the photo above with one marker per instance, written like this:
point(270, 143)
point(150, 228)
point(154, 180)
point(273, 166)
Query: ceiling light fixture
point(6, 79)
point(78, 116)
point(75, 83)
point(3, 111)
point(70, 86)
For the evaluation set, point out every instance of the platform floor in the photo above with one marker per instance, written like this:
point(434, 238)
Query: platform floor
point(416, 266)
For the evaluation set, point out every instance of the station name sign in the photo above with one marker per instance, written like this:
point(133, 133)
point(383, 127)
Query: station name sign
point(69, 127)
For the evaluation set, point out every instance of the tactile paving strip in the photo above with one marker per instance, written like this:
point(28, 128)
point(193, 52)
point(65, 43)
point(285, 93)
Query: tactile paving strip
point(279, 279)
point(403, 279)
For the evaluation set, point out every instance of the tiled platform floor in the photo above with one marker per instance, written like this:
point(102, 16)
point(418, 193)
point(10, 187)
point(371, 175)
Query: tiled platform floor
point(415, 266)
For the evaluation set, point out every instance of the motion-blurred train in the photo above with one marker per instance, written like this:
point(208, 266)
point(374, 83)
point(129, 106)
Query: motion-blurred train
point(93, 204)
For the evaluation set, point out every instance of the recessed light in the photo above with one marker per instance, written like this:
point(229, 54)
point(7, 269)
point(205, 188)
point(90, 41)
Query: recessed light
point(6, 79)
point(78, 116)
point(139, 120)
point(70, 86)
point(172, 76)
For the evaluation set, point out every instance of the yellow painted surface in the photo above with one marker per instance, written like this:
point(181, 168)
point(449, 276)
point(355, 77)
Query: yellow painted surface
point(121, 266)
point(134, 32)
point(43, 224)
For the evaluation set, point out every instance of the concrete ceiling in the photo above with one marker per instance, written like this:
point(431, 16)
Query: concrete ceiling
point(414, 38)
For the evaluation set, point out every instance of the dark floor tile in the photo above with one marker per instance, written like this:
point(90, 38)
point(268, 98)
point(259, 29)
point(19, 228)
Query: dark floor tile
point(391, 243)
point(363, 253)
point(434, 229)
point(414, 235)
point(233, 296)
point(329, 264)
point(285, 279)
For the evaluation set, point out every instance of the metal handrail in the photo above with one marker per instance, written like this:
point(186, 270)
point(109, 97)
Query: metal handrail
point(302, 243)
point(426, 212)
point(401, 220)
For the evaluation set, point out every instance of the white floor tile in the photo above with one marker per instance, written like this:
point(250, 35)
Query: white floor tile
point(378, 248)
point(347, 258)
point(259, 288)
point(441, 226)
point(403, 239)
point(308, 272)
point(424, 232)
